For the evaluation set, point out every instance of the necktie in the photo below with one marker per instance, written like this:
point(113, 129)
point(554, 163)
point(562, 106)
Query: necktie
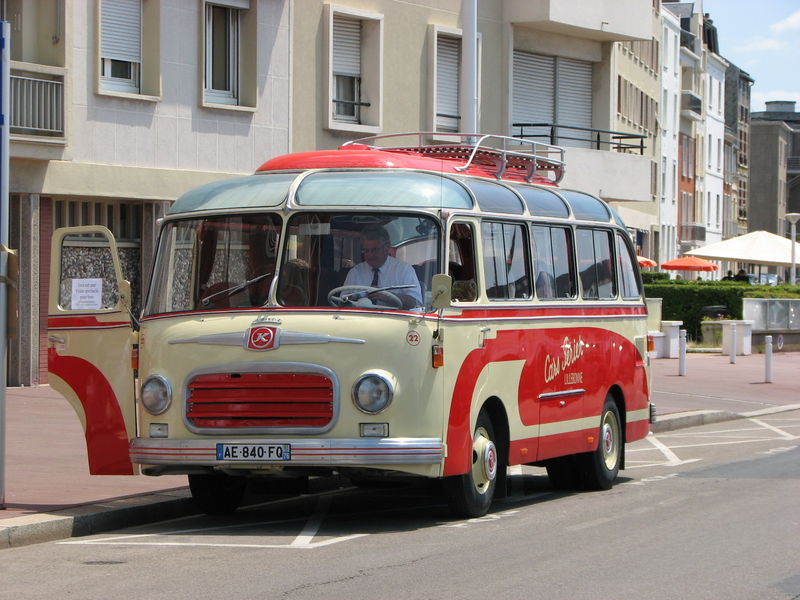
point(375, 272)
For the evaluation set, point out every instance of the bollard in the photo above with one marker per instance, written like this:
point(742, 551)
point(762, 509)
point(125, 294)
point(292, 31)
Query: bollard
point(682, 352)
point(768, 359)
point(733, 343)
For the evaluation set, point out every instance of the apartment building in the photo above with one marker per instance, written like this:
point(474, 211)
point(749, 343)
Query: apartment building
point(118, 107)
point(737, 136)
point(670, 131)
point(546, 70)
point(714, 112)
point(774, 167)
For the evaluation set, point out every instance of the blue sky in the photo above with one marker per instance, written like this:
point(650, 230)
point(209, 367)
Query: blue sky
point(762, 38)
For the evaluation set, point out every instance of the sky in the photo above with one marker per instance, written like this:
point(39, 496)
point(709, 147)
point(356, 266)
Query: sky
point(763, 39)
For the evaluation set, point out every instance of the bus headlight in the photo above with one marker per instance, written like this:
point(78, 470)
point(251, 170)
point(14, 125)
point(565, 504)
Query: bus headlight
point(156, 394)
point(373, 392)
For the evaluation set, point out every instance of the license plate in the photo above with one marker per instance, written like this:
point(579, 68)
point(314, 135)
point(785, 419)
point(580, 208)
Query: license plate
point(254, 452)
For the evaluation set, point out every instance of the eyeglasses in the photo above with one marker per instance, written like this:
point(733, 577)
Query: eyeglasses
point(373, 250)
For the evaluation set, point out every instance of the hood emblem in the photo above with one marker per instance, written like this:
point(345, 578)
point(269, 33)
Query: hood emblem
point(262, 337)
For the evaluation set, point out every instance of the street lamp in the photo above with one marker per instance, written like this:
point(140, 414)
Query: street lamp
point(792, 218)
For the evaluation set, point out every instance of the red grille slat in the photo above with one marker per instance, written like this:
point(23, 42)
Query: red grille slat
point(241, 400)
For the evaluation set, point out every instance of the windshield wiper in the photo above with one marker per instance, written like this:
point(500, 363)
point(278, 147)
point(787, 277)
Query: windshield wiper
point(234, 289)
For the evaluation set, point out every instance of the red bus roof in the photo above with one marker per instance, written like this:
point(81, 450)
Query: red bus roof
point(460, 158)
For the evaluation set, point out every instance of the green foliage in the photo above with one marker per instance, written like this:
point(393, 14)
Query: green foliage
point(654, 276)
point(685, 300)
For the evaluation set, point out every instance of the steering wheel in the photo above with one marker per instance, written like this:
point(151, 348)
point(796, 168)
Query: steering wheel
point(386, 298)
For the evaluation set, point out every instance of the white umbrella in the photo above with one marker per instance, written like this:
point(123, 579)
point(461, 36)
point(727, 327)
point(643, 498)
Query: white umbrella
point(759, 247)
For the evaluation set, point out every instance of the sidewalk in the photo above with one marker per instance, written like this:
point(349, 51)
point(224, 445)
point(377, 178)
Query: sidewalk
point(50, 495)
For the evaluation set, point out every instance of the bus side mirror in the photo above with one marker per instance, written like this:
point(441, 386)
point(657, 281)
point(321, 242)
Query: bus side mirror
point(441, 291)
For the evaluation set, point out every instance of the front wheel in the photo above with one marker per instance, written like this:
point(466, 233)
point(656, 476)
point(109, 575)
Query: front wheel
point(471, 494)
point(601, 467)
point(217, 493)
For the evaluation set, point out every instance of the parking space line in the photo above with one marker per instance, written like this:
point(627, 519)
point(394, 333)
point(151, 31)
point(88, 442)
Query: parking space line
point(672, 458)
point(785, 435)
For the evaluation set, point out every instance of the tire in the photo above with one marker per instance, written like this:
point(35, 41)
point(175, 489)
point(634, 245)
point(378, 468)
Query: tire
point(601, 467)
point(217, 493)
point(564, 472)
point(470, 495)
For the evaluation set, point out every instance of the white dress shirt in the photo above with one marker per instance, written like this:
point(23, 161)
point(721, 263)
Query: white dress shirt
point(392, 272)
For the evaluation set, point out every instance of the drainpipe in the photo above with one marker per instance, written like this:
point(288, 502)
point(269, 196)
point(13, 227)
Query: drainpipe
point(470, 124)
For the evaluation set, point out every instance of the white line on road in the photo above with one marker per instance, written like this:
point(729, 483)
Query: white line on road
point(785, 435)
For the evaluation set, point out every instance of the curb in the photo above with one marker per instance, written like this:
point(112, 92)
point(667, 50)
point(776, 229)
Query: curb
point(89, 519)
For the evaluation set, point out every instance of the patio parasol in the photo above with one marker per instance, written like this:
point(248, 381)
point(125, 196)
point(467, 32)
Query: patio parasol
point(689, 263)
point(646, 262)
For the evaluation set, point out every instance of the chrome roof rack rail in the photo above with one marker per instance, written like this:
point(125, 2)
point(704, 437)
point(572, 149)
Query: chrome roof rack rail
point(526, 157)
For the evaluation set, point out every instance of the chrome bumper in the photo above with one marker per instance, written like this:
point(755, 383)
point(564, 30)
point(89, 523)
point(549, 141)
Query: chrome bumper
point(317, 452)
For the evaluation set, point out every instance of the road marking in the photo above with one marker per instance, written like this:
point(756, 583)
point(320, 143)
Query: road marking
point(785, 435)
point(672, 458)
point(302, 541)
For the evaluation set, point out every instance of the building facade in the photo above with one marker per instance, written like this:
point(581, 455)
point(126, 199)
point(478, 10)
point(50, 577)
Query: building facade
point(119, 106)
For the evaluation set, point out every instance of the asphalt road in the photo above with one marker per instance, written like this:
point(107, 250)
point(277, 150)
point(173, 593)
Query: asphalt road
point(703, 513)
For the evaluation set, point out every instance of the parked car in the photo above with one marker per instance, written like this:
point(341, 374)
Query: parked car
point(763, 279)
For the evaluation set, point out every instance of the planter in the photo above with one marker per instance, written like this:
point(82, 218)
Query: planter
point(711, 333)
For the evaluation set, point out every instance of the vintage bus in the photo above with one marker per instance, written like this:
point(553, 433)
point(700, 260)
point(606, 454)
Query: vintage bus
point(504, 324)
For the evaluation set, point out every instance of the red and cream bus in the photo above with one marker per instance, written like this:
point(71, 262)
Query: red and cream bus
point(510, 329)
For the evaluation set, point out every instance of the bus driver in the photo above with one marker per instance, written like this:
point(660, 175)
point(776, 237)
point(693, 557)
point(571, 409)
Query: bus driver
point(380, 270)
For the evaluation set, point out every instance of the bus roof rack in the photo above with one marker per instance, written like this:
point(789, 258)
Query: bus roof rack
point(505, 155)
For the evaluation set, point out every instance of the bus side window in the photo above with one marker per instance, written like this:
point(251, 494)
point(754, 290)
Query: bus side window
point(505, 261)
point(461, 263)
point(595, 264)
point(553, 260)
point(629, 283)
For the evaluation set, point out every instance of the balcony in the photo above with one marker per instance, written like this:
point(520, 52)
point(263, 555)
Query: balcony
point(692, 233)
point(37, 101)
point(793, 165)
point(691, 105)
point(601, 20)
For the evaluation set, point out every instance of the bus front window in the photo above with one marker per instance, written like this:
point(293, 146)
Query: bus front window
point(213, 263)
point(365, 260)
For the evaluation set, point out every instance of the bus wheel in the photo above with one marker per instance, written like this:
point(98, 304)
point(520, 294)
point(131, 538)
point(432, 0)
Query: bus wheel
point(600, 468)
point(471, 494)
point(217, 493)
point(564, 472)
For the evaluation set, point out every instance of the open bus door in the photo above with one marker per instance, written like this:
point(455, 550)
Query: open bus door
point(90, 341)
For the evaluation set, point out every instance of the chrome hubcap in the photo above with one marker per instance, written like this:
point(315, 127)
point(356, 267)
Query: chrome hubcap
point(484, 461)
point(609, 438)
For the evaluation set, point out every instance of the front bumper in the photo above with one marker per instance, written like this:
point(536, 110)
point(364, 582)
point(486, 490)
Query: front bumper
point(304, 452)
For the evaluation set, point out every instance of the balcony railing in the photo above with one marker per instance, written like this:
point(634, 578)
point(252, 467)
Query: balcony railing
point(793, 165)
point(692, 232)
point(37, 105)
point(568, 135)
point(692, 103)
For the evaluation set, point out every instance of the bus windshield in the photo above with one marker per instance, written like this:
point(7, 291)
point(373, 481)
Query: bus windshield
point(224, 262)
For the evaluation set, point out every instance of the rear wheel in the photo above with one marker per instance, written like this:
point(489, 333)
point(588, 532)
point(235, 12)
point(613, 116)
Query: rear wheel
point(601, 467)
point(217, 493)
point(471, 494)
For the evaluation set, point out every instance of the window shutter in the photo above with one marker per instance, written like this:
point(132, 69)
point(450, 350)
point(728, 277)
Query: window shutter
point(574, 99)
point(533, 93)
point(346, 47)
point(121, 30)
point(448, 60)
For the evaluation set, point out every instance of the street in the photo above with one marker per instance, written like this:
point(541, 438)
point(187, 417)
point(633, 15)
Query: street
point(705, 512)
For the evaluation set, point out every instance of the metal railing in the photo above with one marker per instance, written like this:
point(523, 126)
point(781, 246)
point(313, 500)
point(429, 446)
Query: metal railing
point(793, 164)
point(619, 141)
point(37, 106)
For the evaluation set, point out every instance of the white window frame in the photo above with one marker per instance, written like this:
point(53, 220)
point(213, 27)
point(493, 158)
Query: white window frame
point(369, 118)
point(229, 95)
point(122, 46)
